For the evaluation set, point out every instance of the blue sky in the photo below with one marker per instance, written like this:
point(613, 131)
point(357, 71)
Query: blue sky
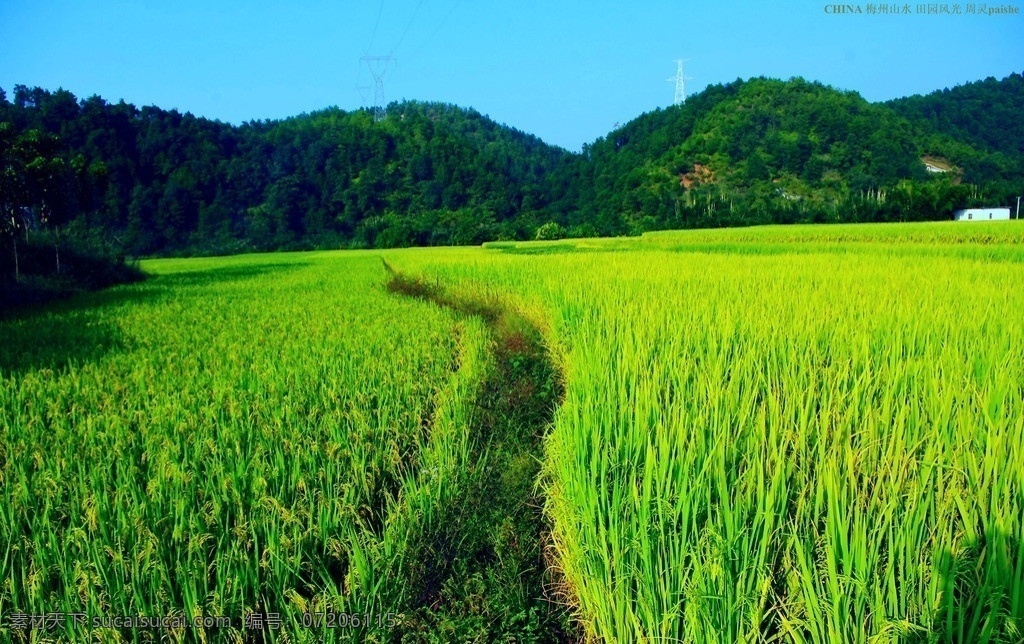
point(567, 72)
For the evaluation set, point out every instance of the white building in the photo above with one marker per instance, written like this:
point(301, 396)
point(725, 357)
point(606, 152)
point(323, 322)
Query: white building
point(981, 214)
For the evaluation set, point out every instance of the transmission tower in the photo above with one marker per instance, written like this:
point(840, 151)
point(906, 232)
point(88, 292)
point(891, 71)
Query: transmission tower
point(680, 83)
point(378, 66)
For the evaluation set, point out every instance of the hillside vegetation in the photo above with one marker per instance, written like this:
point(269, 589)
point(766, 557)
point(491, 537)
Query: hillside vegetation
point(150, 181)
point(985, 114)
point(156, 181)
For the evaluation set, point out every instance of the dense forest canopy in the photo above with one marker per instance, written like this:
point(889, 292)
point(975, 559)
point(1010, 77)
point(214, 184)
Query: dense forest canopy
point(162, 182)
point(151, 181)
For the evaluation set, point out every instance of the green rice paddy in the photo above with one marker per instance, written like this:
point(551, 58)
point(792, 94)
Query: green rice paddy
point(795, 434)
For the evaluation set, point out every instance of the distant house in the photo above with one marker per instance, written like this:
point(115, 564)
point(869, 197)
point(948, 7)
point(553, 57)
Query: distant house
point(981, 214)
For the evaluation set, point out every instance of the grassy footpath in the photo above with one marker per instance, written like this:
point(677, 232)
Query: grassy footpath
point(478, 568)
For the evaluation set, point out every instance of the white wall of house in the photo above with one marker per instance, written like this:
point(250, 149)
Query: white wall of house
point(981, 214)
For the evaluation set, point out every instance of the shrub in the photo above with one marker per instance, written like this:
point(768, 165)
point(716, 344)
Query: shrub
point(550, 230)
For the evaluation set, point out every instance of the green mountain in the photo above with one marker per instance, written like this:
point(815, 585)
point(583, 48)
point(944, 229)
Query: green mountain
point(154, 181)
point(769, 151)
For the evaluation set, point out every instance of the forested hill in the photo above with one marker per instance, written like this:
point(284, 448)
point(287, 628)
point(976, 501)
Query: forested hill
point(151, 181)
point(985, 114)
point(771, 151)
point(154, 181)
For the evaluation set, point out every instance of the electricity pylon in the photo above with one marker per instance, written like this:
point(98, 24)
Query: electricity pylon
point(680, 82)
point(378, 66)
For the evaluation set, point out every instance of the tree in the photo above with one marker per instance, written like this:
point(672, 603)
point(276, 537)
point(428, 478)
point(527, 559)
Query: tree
point(34, 191)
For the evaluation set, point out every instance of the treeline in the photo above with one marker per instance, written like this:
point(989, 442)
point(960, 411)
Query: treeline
point(124, 181)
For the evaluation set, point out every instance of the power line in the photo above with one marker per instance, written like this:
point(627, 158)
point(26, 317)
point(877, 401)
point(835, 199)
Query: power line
point(364, 93)
point(375, 25)
point(436, 29)
point(363, 90)
point(379, 65)
point(407, 26)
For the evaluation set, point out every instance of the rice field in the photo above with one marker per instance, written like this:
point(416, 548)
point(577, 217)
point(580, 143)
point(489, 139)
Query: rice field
point(793, 434)
point(229, 438)
point(807, 434)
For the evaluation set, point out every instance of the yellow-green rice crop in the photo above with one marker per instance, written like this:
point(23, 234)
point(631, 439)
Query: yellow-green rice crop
point(228, 438)
point(807, 438)
point(799, 434)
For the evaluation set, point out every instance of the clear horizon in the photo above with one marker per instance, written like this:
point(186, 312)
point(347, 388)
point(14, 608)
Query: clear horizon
point(565, 74)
